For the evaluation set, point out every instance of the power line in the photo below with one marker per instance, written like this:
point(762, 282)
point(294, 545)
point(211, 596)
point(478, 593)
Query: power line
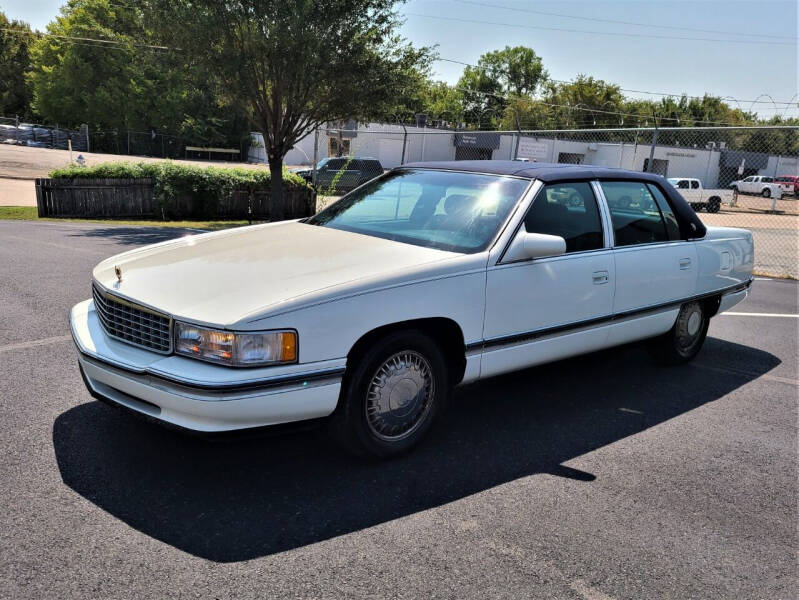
point(599, 20)
point(96, 41)
point(670, 95)
point(609, 33)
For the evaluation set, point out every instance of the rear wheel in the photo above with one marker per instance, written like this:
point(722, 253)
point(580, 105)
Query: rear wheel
point(714, 205)
point(766, 193)
point(393, 395)
point(683, 341)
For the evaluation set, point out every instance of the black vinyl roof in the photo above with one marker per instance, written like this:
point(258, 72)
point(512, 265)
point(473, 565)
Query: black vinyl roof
point(690, 225)
point(547, 172)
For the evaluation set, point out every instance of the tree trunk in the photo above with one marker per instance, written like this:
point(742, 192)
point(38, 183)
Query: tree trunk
point(276, 185)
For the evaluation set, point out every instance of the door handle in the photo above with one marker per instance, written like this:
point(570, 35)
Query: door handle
point(600, 277)
point(685, 263)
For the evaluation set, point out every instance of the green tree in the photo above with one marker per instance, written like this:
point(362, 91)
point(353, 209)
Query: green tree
point(128, 83)
point(15, 40)
point(298, 63)
point(443, 102)
point(513, 71)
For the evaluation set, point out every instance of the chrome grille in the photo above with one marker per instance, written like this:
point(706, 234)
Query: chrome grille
point(133, 323)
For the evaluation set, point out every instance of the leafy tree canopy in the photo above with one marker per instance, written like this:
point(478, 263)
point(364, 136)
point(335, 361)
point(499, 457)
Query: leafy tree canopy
point(298, 63)
point(127, 84)
point(513, 71)
point(14, 60)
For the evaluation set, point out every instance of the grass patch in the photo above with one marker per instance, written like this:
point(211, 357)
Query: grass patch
point(30, 213)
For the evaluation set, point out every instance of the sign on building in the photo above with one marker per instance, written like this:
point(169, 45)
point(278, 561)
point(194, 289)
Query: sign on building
point(533, 149)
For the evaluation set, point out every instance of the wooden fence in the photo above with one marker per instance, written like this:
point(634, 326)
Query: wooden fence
point(135, 199)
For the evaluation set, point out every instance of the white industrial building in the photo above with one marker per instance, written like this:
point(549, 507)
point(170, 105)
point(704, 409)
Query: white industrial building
point(394, 145)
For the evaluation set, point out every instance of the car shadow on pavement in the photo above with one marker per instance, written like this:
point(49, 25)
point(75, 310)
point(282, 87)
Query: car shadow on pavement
point(135, 236)
point(239, 500)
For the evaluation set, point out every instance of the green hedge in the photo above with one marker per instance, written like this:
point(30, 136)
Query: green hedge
point(172, 181)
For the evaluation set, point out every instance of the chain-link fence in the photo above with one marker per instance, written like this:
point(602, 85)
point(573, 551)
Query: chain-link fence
point(12, 131)
point(123, 142)
point(740, 177)
point(163, 145)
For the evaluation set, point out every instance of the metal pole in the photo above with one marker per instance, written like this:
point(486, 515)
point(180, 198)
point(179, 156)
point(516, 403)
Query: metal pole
point(315, 154)
point(652, 149)
point(404, 143)
point(518, 138)
point(128, 142)
point(706, 182)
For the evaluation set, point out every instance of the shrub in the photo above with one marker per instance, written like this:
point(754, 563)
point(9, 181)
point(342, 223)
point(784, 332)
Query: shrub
point(171, 181)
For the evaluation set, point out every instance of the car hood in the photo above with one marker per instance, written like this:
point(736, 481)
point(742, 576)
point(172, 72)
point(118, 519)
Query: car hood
point(224, 277)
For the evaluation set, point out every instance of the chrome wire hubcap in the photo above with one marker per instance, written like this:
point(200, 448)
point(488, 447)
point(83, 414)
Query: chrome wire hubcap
point(399, 396)
point(689, 325)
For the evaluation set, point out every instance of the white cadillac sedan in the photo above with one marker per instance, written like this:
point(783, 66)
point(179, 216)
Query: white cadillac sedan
point(433, 275)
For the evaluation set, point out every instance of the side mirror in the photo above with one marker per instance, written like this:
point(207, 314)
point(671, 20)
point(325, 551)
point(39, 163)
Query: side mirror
point(535, 245)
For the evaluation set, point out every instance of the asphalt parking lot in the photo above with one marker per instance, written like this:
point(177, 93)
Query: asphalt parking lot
point(596, 478)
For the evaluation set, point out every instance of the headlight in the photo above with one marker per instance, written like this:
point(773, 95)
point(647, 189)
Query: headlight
point(236, 349)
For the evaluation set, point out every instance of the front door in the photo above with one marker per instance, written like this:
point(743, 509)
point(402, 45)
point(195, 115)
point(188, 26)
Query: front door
point(552, 307)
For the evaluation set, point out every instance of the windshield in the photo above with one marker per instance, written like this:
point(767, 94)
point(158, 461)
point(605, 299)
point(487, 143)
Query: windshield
point(321, 163)
point(459, 212)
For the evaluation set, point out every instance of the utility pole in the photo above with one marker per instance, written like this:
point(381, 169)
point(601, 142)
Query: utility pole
point(315, 155)
point(654, 143)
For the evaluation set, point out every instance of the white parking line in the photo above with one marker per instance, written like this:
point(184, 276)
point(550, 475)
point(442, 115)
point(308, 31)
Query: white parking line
point(34, 343)
point(752, 314)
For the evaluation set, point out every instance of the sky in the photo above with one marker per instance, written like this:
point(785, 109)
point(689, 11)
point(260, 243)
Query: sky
point(759, 54)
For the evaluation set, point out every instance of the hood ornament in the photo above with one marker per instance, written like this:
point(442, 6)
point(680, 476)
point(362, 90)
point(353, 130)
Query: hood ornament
point(118, 271)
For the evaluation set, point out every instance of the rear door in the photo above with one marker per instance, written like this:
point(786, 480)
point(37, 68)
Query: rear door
point(655, 267)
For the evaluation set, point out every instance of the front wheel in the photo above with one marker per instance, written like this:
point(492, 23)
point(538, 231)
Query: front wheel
point(767, 193)
point(683, 341)
point(392, 396)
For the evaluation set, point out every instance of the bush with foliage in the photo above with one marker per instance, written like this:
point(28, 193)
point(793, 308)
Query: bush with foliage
point(172, 181)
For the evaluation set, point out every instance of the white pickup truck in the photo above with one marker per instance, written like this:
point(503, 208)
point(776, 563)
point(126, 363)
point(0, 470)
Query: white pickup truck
point(698, 197)
point(758, 184)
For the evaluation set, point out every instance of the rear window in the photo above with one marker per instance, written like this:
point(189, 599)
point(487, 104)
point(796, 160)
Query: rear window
point(634, 212)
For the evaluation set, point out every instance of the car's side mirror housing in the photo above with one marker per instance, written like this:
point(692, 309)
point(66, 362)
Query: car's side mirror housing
point(526, 246)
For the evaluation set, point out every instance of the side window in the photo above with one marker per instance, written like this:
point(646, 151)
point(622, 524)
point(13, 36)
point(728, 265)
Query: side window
point(635, 214)
point(672, 226)
point(682, 184)
point(694, 185)
point(334, 164)
point(568, 210)
point(767, 180)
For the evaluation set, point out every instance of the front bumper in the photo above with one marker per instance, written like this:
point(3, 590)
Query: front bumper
point(199, 396)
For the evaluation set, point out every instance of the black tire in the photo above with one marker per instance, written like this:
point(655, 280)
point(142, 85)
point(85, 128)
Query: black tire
point(422, 391)
point(713, 205)
point(683, 341)
point(766, 193)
